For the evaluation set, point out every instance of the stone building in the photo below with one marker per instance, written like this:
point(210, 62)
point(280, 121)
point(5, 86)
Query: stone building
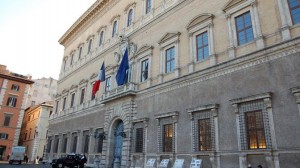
point(43, 90)
point(210, 80)
point(14, 90)
point(34, 129)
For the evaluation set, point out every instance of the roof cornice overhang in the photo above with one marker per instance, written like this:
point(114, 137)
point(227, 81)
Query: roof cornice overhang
point(27, 81)
point(83, 20)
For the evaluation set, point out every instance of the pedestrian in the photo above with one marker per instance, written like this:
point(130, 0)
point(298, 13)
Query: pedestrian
point(37, 160)
point(8, 156)
point(249, 166)
point(25, 158)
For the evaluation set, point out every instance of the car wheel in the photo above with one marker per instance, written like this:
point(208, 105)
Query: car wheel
point(60, 165)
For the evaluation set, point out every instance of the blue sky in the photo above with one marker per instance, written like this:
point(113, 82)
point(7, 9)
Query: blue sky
point(29, 34)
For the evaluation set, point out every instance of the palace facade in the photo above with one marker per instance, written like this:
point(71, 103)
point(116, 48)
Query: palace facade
point(210, 80)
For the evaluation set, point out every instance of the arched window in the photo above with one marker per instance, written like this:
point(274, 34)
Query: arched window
point(148, 6)
point(130, 17)
point(101, 38)
point(90, 46)
point(114, 30)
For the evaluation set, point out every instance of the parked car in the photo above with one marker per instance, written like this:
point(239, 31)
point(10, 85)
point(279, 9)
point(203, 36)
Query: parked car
point(71, 161)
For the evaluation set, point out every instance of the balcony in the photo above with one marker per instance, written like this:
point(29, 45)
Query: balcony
point(129, 89)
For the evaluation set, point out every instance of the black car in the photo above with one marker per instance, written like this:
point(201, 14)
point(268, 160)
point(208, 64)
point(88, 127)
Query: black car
point(71, 161)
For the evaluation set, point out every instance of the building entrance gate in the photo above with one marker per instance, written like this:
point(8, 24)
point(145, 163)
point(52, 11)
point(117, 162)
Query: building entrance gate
point(118, 143)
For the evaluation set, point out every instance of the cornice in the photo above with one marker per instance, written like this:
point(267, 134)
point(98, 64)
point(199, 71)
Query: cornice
point(84, 19)
point(22, 80)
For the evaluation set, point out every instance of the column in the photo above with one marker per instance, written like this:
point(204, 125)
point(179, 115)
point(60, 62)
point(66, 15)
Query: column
point(231, 50)
point(259, 38)
point(69, 136)
point(79, 141)
point(285, 30)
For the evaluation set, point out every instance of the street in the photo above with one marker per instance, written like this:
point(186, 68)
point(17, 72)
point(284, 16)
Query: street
point(6, 165)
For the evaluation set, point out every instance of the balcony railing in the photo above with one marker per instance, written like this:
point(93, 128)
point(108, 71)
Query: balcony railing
point(129, 89)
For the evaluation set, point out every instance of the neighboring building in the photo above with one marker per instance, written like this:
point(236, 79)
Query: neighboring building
point(34, 129)
point(210, 80)
point(43, 90)
point(13, 98)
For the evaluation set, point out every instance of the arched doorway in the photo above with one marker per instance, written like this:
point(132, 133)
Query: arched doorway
point(118, 144)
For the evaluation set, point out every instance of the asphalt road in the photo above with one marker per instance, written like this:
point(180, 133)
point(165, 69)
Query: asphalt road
point(6, 165)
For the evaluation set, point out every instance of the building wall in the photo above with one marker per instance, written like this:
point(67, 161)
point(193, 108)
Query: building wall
point(7, 79)
point(34, 129)
point(262, 73)
point(43, 90)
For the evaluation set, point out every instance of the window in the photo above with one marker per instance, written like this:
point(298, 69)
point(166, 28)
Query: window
point(64, 103)
point(139, 140)
point(82, 96)
point(167, 138)
point(56, 142)
point(86, 143)
point(11, 101)
point(72, 57)
point(65, 63)
point(203, 123)
point(166, 135)
point(57, 104)
point(15, 87)
point(79, 54)
point(108, 84)
point(204, 134)
point(74, 144)
point(29, 135)
point(114, 30)
point(90, 46)
point(65, 142)
point(130, 18)
point(3, 136)
point(202, 46)
point(101, 38)
point(49, 145)
point(144, 70)
point(294, 6)
point(148, 6)
point(99, 141)
point(7, 120)
point(252, 115)
point(255, 130)
point(170, 60)
point(244, 28)
point(72, 99)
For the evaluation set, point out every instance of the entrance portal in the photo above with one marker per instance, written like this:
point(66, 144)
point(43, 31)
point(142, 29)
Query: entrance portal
point(118, 144)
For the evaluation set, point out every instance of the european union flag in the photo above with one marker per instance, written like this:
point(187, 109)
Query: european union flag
point(122, 73)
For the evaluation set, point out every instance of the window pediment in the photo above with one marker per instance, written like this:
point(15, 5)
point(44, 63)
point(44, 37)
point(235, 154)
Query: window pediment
point(101, 28)
point(64, 91)
point(73, 87)
point(144, 49)
point(80, 45)
point(94, 75)
point(232, 3)
point(83, 81)
point(200, 19)
point(129, 5)
point(114, 18)
point(90, 37)
point(168, 36)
